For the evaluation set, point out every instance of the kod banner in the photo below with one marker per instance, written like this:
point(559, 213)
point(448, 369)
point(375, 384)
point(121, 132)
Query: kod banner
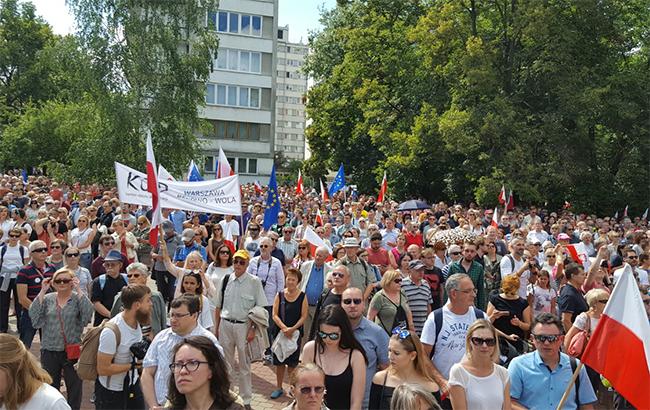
point(220, 196)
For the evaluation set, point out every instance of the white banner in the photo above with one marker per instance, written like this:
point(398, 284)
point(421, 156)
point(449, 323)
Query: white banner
point(221, 196)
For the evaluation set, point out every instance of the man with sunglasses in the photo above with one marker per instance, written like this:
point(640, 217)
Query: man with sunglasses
point(107, 285)
point(12, 257)
point(341, 280)
point(372, 337)
point(538, 379)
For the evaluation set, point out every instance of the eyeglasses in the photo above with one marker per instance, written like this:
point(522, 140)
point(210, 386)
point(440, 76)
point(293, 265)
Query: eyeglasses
point(264, 246)
point(398, 280)
point(274, 239)
point(62, 281)
point(55, 247)
point(633, 257)
point(308, 389)
point(338, 274)
point(454, 253)
point(302, 247)
point(40, 250)
point(479, 341)
point(178, 315)
point(603, 301)
point(325, 335)
point(356, 301)
point(224, 252)
point(546, 338)
point(401, 332)
point(72, 255)
point(190, 366)
point(239, 262)
point(133, 275)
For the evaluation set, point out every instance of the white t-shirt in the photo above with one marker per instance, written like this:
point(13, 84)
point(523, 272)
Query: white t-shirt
point(581, 322)
point(46, 397)
point(450, 346)
point(542, 298)
point(78, 237)
point(481, 393)
point(128, 336)
point(12, 262)
point(207, 313)
point(507, 269)
point(233, 226)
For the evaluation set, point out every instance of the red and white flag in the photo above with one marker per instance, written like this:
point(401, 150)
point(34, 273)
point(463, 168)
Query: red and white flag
point(258, 187)
point(625, 212)
point(510, 202)
point(223, 167)
point(152, 188)
point(323, 191)
point(495, 218)
point(315, 241)
point(502, 195)
point(228, 240)
point(319, 218)
point(579, 254)
point(619, 348)
point(383, 189)
point(300, 189)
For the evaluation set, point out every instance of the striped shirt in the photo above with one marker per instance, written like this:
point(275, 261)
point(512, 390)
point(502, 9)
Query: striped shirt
point(33, 277)
point(419, 299)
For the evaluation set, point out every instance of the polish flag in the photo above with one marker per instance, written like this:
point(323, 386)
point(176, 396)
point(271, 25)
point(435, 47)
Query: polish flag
point(223, 167)
point(510, 203)
point(152, 188)
point(495, 218)
point(315, 241)
point(579, 254)
point(383, 189)
point(300, 189)
point(258, 187)
point(502, 195)
point(323, 191)
point(229, 241)
point(619, 348)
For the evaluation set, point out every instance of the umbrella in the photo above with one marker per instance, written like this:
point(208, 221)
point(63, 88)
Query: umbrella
point(453, 236)
point(412, 205)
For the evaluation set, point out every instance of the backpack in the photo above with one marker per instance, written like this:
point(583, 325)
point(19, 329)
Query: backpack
point(437, 319)
point(86, 366)
point(21, 249)
point(102, 280)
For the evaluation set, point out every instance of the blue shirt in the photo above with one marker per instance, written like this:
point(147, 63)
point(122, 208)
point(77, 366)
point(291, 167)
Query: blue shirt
point(375, 342)
point(177, 218)
point(535, 386)
point(182, 251)
point(315, 285)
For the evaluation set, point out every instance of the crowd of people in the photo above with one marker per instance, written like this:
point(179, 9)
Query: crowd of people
point(431, 308)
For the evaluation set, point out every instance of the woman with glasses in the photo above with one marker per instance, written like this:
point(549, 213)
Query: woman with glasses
point(141, 233)
point(215, 241)
point(307, 387)
point(408, 364)
point(304, 254)
point(221, 266)
point(512, 314)
point(492, 268)
point(71, 258)
point(200, 230)
point(57, 247)
point(62, 316)
point(200, 378)
point(341, 357)
point(477, 382)
point(82, 238)
point(389, 307)
point(290, 310)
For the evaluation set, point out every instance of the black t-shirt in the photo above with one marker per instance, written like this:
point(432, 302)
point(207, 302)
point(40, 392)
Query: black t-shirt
point(106, 296)
point(571, 301)
point(436, 283)
point(516, 307)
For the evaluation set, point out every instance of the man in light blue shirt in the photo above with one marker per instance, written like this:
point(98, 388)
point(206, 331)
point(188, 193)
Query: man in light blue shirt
point(538, 379)
point(373, 338)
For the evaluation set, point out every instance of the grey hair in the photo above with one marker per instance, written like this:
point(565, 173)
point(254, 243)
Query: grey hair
point(323, 248)
point(405, 396)
point(139, 266)
point(453, 282)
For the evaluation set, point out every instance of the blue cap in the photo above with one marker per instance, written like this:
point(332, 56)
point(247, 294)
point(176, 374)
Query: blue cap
point(113, 256)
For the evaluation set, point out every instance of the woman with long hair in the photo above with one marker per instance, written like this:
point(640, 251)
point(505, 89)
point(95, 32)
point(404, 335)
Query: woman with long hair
point(24, 385)
point(403, 263)
point(191, 283)
point(307, 387)
point(341, 357)
point(6, 223)
point(477, 382)
point(389, 307)
point(221, 266)
point(82, 238)
point(413, 397)
point(492, 268)
point(407, 365)
point(199, 378)
point(215, 241)
point(62, 316)
point(71, 258)
point(304, 254)
point(398, 251)
point(512, 313)
point(57, 247)
point(193, 264)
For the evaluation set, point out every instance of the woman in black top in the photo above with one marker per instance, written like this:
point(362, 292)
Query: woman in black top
point(407, 365)
point(513, 314)
point(290, 310)
point(341, 357)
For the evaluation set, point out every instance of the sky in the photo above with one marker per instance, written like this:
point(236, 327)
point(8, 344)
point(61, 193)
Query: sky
point(300, 15)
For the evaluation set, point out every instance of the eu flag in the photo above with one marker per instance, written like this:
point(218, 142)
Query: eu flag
point(338, 183)
point(272, 203)
point(193, 173)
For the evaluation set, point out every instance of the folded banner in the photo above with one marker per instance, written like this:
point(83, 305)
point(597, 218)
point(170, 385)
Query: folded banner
point(220, 196)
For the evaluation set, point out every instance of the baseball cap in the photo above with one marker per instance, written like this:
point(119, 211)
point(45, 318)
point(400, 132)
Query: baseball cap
point(241, 254)
point(416, 264)
point(350, 243)
point(188, 234)
point(113, 256)
point(563, 237)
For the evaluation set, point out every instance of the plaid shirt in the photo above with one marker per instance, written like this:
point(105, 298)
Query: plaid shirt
point(475, 272)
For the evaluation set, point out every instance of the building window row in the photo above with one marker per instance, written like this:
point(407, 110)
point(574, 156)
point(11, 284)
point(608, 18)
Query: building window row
point(232, 95)
point(242, 165)
point(290, 124)
point(289, 100)
point(293, 87)
point(236, 130)
point(290, 111)
point(239, 60)
point(290, 62)
point(236, 23)
point(291, 74)
point(292, 49)
point(289, 136)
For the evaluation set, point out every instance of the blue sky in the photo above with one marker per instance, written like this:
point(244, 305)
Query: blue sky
point(300, 15)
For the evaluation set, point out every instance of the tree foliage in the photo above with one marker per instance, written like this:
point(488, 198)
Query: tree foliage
point(454, 98)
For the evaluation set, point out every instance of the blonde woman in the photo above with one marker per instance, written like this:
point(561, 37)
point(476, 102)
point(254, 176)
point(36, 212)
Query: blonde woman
point(193, 264)
point(389, 307)
point(24, 385)
point(413, 397)
point(477, 382)
point(307, 387)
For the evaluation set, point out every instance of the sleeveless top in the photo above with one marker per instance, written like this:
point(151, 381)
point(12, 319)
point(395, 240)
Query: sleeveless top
point(339, 387)
point(292, 310)
point(381, 396)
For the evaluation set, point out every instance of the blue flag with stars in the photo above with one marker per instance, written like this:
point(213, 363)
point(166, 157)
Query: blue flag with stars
point(272, 203)
point(193, 174)
point(338, 183)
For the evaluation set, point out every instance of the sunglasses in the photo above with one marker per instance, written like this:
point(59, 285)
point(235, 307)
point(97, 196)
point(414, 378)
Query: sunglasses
point(132, 275)
point(40, 250)
point(72, 255)
point(308, 389)
point(401, 332)
point(479, 341)
point(356, 301)
point(338, 274)
point(14, 236)
point(264, 246)
point(55, 247)
point(454, 253)
point(254, 230)
point(224, 252)
point(302, 247)
point(325, 335)
point(62, 281)
point(546, 338)
point(603, 301)
point(398, 280)
point(239, 262)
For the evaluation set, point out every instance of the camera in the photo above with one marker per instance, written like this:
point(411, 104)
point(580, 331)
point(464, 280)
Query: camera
point(139, 349)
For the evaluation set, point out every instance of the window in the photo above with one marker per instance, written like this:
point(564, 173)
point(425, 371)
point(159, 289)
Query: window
point(241, 165)
point(223, 21)
point(209, 93)
point(232, 130)
point(209, 164)
point(235, 23)
point(243, 97)
point(222, 59)
point(252, 166)
point(280, 34)
point(239, 60)
point(244, 61)
point(257, 26)
point(232, 95)
point(220, 129)
point(255, 97)
point(245, 24)
point(236, 130)
point(233, 60)
point(221, 94)
point(256, 62)
point(254, 132)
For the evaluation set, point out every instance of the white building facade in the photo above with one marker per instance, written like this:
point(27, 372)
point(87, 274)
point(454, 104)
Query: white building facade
point(240, 93)
point(290, 100)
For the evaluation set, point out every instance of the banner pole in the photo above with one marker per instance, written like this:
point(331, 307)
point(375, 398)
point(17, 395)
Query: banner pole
point(565, 396)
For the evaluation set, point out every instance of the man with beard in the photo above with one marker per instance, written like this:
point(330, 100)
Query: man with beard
point(113, 388)
point(433, 276)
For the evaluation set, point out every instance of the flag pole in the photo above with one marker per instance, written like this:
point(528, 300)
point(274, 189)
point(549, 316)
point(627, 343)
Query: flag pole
point(565, 396)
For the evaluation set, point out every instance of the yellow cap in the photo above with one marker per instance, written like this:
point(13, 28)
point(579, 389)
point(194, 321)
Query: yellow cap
point(241, 254)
